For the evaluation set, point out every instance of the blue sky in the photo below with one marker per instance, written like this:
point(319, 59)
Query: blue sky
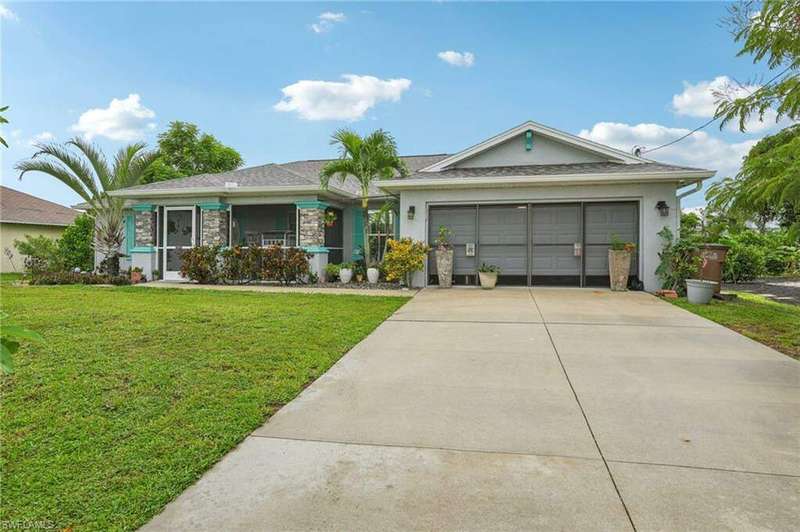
point(622, 74)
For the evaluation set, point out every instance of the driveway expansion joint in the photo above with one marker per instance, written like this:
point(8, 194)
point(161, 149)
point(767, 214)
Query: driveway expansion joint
point(427, 447)
point(703, 468)
point(583, 413)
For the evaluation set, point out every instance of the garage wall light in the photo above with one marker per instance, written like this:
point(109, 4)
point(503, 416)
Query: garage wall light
point(663, 208)
point(411, 212)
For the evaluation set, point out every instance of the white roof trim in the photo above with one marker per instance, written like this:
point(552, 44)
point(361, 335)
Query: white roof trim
point(584, 144)
point(553, 180)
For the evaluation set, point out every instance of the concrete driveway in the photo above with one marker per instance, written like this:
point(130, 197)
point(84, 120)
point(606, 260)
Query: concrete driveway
point(523, 409)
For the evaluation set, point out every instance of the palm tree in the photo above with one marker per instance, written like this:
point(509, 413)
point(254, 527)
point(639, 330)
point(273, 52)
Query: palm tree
point(366, 159)
point(81, 166)
point(3, 120)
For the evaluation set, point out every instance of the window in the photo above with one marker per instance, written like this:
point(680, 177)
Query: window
point(381, 228)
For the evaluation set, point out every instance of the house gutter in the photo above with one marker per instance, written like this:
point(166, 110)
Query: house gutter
point(562, 179)
point(226, 192)
point(697, 186)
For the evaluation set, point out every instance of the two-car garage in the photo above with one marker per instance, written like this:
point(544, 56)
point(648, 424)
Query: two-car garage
point(536, 243)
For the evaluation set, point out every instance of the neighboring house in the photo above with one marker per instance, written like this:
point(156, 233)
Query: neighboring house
point(540, 203)
point(22, 214)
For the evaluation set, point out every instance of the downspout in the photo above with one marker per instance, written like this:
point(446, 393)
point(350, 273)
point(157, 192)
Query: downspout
point(696, 188)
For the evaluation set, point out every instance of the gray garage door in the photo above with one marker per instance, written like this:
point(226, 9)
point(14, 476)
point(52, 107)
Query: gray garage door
point(502, 232)
point(461, 221)
point(554, 232)
point(603, 222)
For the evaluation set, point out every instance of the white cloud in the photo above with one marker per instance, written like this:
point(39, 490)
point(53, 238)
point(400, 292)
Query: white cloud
point(123, 120)
point(459, 59)
point(44, 136)
point(7, 14)
point(340, 100)
point(698, 150)
point(326, 21)
point(698, 100)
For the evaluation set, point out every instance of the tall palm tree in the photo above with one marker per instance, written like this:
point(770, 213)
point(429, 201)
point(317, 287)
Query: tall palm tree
point(81, 166)
point(366, 159)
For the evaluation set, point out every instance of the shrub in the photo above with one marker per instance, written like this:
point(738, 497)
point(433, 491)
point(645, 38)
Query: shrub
point(41, 254)
point(240, 265)
point(744, 262)
point(285, 265)
point(76, 245)
point(679, 261)
point(201, 264)
point(332, 272)
point(403, 258)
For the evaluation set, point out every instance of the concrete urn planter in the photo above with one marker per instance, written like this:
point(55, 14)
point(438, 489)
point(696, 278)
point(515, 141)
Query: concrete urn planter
point(373, 274)
point(488, 280)
point(444, 267)
point(345, 275)
point(619, 268)
point(700, 291)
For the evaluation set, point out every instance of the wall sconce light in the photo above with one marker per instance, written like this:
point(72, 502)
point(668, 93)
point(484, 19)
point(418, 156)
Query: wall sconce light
point(663, 208)
point(411, 211)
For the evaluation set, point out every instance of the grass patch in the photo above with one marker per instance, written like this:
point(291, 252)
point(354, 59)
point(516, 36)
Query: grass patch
point(769, 322)
point(138, 391)
point(10, 277)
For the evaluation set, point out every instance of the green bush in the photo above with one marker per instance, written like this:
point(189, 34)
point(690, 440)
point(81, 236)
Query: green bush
point(332, 272)
point(403, 258)
point(286, 266)
point(201, 264)
point(744, 262)
point(76, 245)
point(240, 265)
point(679, 261)
point(59, 278)
point(41, 254)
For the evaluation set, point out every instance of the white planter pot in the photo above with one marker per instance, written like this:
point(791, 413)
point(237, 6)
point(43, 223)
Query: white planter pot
point(444, 267)
point(373, 275)
point(345, 274)
point(619, 267)
point(488, 280)
point(700, 291)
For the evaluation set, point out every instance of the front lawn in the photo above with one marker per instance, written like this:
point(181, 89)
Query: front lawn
point(137, 392)
point(771, 323)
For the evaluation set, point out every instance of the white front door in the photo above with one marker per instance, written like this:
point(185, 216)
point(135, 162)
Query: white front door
point(178, 237)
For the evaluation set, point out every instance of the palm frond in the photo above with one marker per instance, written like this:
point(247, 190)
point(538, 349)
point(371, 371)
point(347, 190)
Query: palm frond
point(77, 166)
point(95, 157)
point(122, 164)
point(58, 171)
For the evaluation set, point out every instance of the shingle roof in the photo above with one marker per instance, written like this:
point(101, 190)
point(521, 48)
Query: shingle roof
point(550, 169)
point(295, 173)
point(19, 207)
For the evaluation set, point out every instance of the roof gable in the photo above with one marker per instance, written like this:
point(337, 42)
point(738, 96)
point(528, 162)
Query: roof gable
point(531, 143)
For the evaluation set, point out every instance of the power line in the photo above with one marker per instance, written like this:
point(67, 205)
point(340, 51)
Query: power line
point(714, 119)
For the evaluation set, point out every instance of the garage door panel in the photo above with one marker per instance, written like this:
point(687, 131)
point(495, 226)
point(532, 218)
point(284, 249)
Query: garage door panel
point(555, 260)
point(461, 222)
point(503, 225)
point(556, 224)
point(606, 220)
point(511, 259)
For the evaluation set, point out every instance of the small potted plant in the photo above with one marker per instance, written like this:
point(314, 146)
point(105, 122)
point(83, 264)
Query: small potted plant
point(619, 263)
point(136, 275)
point(346, 272)
point(444, 257)
point(332, 272)
point(329, 218)
point(373, 274)
point(488, 275)
point(700, 291)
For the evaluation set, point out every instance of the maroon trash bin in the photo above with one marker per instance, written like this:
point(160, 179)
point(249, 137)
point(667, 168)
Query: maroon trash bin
point(713, 261)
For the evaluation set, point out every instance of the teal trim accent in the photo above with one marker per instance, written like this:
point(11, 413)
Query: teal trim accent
point(142, 249)
point(213, 206)
point(358, 233)
point(311, 204)
point(529, 140)
point(144, 207)
point(316, 249)
point(130, 232)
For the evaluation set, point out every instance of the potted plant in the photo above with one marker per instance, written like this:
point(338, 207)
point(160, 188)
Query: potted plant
point(332, 272)
point(373, 274)
point(700, 291)
point(619, 263)
point(329, 218)
point(488, 275)
point(136, 275)
point(444, 257)
point(346, 272)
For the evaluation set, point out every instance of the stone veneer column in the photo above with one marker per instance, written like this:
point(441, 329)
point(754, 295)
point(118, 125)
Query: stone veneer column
point(214, 231)
point(311, 233)
point(143, 250)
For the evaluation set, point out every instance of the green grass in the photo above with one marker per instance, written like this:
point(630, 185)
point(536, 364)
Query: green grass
point(9, 277)
point(771, 323)
point(137, 391)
